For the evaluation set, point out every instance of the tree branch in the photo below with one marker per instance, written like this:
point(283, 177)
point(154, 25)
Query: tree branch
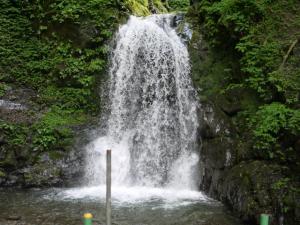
point(285, 58)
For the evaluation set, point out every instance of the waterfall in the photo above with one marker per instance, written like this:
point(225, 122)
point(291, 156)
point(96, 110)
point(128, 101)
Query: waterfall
point(151, 126)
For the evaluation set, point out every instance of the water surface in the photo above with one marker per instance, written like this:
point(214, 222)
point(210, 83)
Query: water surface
point(55, 207)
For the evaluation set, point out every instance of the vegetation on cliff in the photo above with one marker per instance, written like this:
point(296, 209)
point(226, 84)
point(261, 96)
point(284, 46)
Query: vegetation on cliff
point(59, 50)
point(253, 73)
point(145, 7)
point(262, 38)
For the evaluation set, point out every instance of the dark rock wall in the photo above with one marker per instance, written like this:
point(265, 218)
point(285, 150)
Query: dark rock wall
point(23, 166)
point(229, 170)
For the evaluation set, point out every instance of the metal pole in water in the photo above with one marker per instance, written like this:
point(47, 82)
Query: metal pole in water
point(108, 187)
point(264, 219)
point(87, 219)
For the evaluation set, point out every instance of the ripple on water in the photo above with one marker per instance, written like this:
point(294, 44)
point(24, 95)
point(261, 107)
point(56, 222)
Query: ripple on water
point(60, 207)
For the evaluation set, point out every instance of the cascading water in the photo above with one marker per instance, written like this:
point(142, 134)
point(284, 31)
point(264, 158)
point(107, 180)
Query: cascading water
point(152, 123)
point(151, 128)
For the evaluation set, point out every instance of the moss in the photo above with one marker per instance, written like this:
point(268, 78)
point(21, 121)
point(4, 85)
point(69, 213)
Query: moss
point(237, 64)
point(236, 57)
point(256, 186)
point(60, 59)
point(179, 5)
point(138, 8)
point(160, 6)
point(10, 160)
point(3, 88)
point(211, 70)
point(56, 117)
point(2, 174)
point(54, 131)
point(42, 175)
point(141, 7)
point(54, 155)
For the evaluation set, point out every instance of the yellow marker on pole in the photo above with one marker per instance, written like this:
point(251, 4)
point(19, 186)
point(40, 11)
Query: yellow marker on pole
point(87, 218)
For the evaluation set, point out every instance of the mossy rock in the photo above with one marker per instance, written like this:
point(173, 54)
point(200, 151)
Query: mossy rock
point(214, 122)
point(2, 174)
point(10, 160)
point(141, 7)
point(56, 155)
point(248, 187)
point(42, 175)
point(218, 153)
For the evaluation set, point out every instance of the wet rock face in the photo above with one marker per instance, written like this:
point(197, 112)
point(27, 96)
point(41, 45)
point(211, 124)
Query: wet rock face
point(27, 167)
point(50, 169)
point(229, 169)
point(249, 189)
point(16, 103)
point(217, 151)
point(183, 28)
point(214, 123)
point(17, 98)
point(246, 185)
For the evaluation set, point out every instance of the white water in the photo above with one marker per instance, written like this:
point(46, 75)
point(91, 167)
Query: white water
point(152, 125)
point(11, 105)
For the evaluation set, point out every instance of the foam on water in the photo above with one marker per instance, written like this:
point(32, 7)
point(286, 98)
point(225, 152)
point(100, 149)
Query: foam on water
point(134, 194)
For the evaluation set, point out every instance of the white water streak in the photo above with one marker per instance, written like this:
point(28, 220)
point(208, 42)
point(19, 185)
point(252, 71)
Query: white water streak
point(152, 126)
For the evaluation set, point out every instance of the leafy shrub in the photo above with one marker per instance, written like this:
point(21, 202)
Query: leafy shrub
point(54, 129)
point(3, 88)
point(271, 122)
point(59, 48)
point(229, 19)
point(179, 5)
point(258, 62)
point(256, 35)
point(51, 56)
point(16, 134)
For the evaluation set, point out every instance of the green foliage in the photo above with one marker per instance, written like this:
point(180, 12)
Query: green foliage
point(56, 117)
point(229, 19)
point(257, 35)
point(66, 10)
point(271, 120)
point(258, 62)
point(59, 49)
point(67, 98)
point(15, 132)
point(161, 6)
point(286, 84)
point(2, 174)
point(281, 184)
point(286, 190)
point(52, 132)
point(53, 56)
point(54, 129)
point(179, 5)
point(3, 89)
point(141, 7)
